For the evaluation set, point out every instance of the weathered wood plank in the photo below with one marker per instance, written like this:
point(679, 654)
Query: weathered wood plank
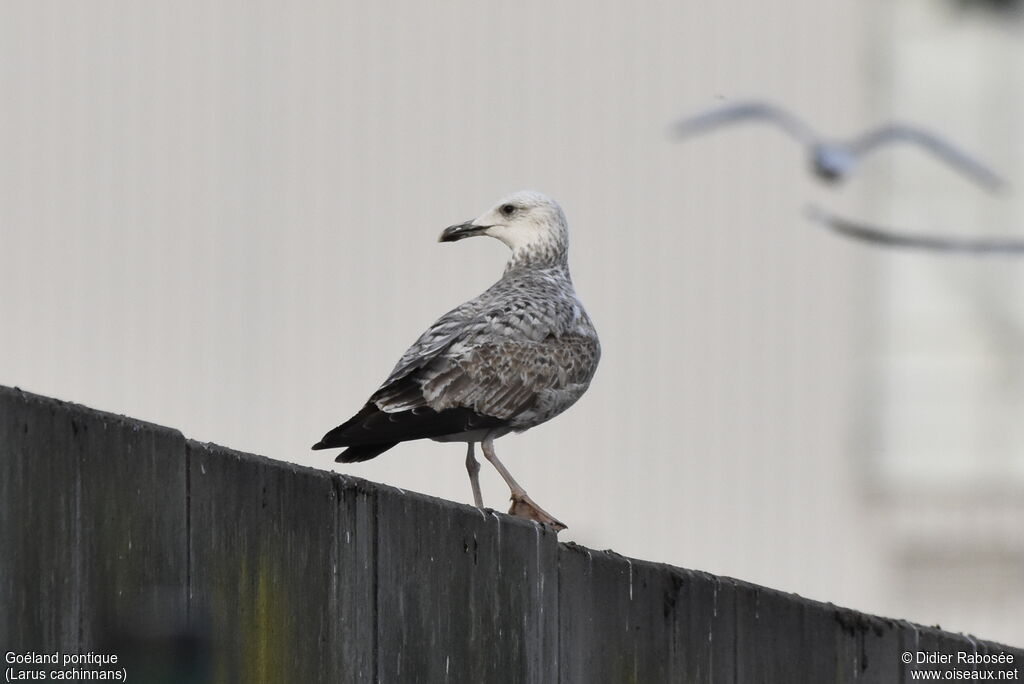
point(282, 569)
point(463, 596)
point(92, 523)
point(770, 640)
point(705, 613)
point(931, 640)
point(620, 620)
point(855, 647)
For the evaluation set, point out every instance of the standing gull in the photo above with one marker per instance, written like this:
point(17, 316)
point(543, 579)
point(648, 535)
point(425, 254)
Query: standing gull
point(834, 160)
point(510, 359)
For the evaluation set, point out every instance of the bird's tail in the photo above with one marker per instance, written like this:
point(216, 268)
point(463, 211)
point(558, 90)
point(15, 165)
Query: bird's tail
point(365, 452)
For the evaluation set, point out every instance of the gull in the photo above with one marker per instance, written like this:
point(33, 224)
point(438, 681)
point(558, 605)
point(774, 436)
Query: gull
point(934, 243)
point(506, 361)
point(833, 160)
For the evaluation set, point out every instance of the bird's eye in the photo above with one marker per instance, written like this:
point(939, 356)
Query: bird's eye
point(508, 209)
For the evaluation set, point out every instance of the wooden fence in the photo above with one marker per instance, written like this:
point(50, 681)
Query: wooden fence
point(194, 563)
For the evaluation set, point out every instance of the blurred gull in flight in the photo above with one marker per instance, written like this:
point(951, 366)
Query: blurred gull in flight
point(833, 160)
point(510, 359)
point(933, 243)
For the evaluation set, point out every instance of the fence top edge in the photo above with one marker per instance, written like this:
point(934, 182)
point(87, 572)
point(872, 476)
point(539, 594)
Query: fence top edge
point(105, 417)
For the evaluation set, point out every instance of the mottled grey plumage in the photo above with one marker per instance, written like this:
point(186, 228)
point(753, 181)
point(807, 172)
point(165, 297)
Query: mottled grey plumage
point(522, 352)
point(834, 160)
point(510, 359)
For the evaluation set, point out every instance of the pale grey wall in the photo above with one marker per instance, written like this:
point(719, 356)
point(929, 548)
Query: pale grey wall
point(947, 370)
point(222, 217)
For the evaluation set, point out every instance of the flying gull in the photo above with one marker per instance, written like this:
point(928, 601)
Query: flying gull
point(934, 243)
point(510, 359)
point(834, 160)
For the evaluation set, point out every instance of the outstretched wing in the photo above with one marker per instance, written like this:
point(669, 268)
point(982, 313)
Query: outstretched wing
point(938, 146)
point(935, 243)
point(746, 111)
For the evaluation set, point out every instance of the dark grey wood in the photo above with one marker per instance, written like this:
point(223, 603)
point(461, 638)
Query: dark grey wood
point(932, 639)
point(282, 569)
point(121, 536)
point(92, 525)
point(770, 640)
point(625, 620)
point(39, 580)
point(462, 595)
point(705, 617)
point(853, 646)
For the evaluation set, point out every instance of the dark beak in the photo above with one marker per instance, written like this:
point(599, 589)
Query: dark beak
point(460, 231)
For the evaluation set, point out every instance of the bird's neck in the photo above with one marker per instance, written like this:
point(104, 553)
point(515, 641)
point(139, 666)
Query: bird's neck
point(538, 256)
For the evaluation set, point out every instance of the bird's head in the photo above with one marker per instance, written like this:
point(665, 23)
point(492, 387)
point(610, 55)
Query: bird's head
point(531, 224)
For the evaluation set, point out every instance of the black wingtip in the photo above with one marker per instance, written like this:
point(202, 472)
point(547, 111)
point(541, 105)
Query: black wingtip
point(358, 454)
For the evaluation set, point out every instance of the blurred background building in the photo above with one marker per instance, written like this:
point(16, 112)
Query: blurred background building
point(943, 396)
point(222, 217)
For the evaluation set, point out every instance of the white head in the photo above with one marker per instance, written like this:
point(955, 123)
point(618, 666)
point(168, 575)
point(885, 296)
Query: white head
point(531, 224)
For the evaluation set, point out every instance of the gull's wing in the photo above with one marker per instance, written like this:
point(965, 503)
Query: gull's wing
point(507, 379)
point(480, 366)
point(746, 111)
point(372, 430)
point(503, 360)
point(458, 322)
point(941, 148)
point(934, 243)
